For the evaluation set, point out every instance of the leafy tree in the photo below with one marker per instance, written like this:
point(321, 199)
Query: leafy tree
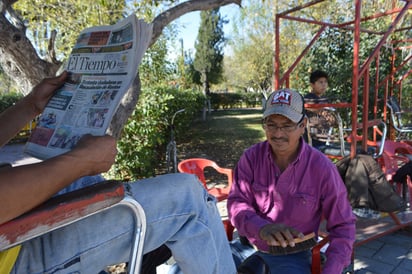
point(155, 68)
point(209, 48)
point(186, 76)
point(42, 18)
point(39, 34)
point(250, 64)
point(333, 53)
point(191, 76)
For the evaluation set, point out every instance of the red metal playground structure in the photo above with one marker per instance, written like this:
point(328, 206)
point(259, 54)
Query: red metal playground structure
point(393, 149)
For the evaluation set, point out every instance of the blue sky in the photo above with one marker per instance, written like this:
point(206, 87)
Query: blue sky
point(189, 24)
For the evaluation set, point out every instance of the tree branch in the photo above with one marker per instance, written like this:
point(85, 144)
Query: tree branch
point(126, 107)
point(15, 19)
point(5, 4)
point(51, 52)
point(163, 19)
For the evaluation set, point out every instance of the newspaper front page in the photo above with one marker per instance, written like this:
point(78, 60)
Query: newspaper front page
point(101, 66)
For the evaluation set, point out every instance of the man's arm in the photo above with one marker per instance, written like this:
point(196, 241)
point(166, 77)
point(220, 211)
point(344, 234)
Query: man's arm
point(24, 187)
point(16, 117)
point(340, 223)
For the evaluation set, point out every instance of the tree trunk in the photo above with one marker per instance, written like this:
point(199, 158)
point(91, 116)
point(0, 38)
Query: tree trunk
point(125, 109)
point(206, 87)
point(19, 59)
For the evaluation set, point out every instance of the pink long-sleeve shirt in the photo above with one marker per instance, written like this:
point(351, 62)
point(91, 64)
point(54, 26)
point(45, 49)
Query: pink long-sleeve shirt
point(307, 190)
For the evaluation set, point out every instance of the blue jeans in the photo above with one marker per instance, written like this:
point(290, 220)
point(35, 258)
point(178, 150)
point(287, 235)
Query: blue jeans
point(179, 212)
point(298, 263)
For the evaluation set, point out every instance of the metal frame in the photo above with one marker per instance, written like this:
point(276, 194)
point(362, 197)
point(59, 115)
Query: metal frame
point(338, 141)
point(396, 119)
point(61, 211)
point(136, 254)
point(361, 71)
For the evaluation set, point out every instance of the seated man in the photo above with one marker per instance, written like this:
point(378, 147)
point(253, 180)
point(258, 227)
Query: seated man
point(283, 188)
point(179, 211)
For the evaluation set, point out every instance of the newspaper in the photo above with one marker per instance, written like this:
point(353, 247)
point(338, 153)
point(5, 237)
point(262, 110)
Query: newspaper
point(101, 66)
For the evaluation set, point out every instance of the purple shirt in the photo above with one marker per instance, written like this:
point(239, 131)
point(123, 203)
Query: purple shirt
point(307, 190)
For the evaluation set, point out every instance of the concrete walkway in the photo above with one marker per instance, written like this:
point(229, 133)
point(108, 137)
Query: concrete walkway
point(391, 254)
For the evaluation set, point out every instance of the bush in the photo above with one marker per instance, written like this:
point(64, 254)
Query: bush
point(252, 99)
point(235, 100)
point(9, 99)
point(144, 138)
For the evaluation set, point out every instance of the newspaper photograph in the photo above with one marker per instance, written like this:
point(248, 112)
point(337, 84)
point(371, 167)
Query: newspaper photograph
point(101, 68)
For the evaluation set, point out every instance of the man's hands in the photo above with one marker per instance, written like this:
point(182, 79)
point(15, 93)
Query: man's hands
point(42, 92)
point(279, 234)
point(94, 154)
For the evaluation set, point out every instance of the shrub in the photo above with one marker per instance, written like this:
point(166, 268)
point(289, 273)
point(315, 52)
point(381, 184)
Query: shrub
point(9, 99)
point(144, 138)
point(235, 100)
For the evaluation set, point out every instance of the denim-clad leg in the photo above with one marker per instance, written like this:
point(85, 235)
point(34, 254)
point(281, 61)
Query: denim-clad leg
point(189, 223)
point(298, 263)
point(179, 213)
point(240, 251)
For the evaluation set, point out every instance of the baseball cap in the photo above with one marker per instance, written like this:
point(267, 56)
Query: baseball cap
point(285, 102)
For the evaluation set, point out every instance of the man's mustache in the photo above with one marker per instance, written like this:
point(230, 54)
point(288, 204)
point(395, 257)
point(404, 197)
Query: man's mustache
point(275, 139)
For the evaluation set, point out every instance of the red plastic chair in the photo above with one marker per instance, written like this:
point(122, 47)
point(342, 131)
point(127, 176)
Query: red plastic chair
point(68, 208)
point(400, 150)
point(197, 167)
point(395, 155)
point(390, 163)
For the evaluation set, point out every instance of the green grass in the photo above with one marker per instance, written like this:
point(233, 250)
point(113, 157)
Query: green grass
point(222, 137)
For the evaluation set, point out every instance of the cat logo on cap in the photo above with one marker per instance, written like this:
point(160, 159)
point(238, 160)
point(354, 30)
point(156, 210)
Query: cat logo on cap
point(282, 97)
